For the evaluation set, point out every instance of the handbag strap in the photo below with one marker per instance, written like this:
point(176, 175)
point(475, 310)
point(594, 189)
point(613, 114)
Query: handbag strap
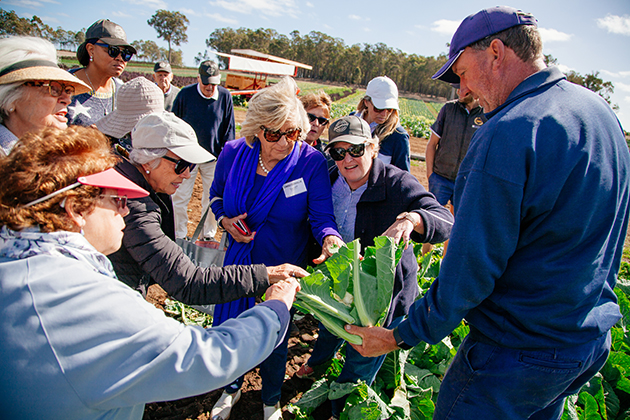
point(200, 227)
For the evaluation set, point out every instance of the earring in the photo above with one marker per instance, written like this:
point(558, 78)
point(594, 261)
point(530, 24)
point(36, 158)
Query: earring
point(91, 58)
point(11, 109)
point(148, 172)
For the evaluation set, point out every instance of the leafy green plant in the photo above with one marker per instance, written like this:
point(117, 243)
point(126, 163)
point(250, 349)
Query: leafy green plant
point(186, 315)
point(346, 289)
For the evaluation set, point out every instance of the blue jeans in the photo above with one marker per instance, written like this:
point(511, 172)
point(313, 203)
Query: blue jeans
point(442, 188)
point(355, 366)
point(490, 382)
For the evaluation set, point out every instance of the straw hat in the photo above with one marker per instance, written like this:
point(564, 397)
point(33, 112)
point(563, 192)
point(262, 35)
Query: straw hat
point(135, 99)
point(40, 70)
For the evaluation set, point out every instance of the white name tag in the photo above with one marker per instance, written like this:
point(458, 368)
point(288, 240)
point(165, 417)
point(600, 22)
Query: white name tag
point(294, 187)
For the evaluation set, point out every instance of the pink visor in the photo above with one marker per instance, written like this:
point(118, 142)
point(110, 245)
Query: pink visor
point(112, 179)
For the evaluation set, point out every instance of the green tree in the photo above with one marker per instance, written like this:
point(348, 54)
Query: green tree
point(171, 27)
point(593, 82)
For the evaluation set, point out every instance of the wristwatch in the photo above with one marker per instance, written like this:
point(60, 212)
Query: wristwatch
point(399, 341)
point(407, 215)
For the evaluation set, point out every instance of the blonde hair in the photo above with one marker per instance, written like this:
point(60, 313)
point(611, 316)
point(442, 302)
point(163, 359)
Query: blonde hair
point(14, 49)
point(43, 162)
point(272, 107)
point(390, 124)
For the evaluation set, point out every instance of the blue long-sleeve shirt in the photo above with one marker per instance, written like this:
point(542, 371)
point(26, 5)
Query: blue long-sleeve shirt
point(284, 236)
point(542, 213)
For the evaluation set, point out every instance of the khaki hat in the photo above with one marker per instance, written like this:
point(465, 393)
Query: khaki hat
point(40, 70)
point(351, 129)
point(166, 131)
point(135, 99)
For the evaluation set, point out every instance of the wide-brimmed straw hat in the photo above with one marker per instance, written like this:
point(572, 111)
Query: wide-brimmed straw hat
point(135, 99)
point(40, 70)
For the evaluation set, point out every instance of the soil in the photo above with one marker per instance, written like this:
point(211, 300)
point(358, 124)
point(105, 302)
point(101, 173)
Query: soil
point(300, 344)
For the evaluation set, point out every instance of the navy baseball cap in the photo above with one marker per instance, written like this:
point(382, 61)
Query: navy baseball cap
point(477, 27)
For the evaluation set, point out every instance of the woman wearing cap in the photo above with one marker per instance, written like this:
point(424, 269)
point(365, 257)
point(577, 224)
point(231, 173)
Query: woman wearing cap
point(379, 107)
point(269, 193)
point(34, 91)
point(76, 343)
point(103, 55)
point(317, 106)
point(370, 199)
point(164, 151)
point(135, 99)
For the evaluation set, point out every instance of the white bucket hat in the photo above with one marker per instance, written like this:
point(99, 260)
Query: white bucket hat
point(383, 93)
point(135, 99)
point(167, 131)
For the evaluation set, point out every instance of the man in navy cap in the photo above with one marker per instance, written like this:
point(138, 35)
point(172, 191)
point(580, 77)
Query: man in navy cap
point(541, 213)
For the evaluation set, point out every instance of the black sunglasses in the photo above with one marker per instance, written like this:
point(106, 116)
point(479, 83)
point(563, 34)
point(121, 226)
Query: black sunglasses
point(120, 200)
point(320, 120)
point(180, 165)
point(339, 153)
point(274, 136)
point(114, 50)
point(54, 88)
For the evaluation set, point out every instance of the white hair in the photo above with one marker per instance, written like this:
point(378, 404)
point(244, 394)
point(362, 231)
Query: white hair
point(14, 49)
point(147, 156)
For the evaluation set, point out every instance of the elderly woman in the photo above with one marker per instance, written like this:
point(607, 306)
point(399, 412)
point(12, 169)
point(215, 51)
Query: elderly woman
point(270, 192)
point(317, 106)
point(34, 91)
point(165, 149)
point(75, 342)
point(379, 107)
point(370, 199)
point(103, 55)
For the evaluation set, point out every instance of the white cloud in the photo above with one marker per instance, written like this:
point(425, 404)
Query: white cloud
point(355, 17)
point(445, 27)
point(265, 7)
point(551, 35)
point(564, 69)
point(623, 87)
point(220, 18)
point(309, 4)
point(615, 24)
point(153, 4)
point(627, 99)
point(616, 74)
point(120, 14)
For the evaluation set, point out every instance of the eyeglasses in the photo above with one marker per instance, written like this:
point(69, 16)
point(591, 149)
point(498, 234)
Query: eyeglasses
point(114, 50)
point(274, 136)
point(320, 120)
point(339, 153)
point(120, 200)
point(54, 88)
point(180, 165)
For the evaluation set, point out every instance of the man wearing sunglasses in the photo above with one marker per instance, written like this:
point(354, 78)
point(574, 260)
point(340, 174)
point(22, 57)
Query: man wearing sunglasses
point(208, 108)
point(104, 56)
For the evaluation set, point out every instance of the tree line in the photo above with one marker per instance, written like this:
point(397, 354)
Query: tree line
point(332, 60)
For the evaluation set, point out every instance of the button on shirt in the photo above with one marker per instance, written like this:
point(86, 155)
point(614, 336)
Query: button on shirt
point(345, 205)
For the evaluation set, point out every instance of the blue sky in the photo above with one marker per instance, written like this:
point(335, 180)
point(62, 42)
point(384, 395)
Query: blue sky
point(583, 35)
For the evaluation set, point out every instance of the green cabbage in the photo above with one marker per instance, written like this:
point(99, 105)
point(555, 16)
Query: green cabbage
point(346, 289)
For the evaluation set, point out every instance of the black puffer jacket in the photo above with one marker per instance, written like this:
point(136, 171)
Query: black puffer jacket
point(150, 255)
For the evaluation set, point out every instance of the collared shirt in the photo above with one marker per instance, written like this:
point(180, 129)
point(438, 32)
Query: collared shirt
point(214, 96)
point(7, 140)
point(345, 204)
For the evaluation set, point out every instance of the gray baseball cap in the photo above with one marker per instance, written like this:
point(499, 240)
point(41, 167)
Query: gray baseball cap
point(167, 131)
point(209, 73)
point(351, 129)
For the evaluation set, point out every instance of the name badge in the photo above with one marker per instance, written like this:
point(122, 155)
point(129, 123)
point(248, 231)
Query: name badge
point(294, 187)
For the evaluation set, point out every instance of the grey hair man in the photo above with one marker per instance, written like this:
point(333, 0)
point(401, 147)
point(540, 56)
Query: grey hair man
point(163, 76)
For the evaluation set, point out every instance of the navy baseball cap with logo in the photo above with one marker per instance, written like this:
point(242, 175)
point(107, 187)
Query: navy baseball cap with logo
point(209, 73)
point(477, 27)
point(162, 66)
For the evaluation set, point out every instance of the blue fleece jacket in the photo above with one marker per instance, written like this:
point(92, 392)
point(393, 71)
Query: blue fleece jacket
point(542, 212)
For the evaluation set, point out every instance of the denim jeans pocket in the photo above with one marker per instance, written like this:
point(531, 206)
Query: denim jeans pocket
point(545, 362)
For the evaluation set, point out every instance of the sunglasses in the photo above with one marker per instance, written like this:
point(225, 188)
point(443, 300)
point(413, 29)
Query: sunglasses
point(320, 120)
point(274, 136)
point(120, 200)
point(378, 111)
point(339, 153)
point(180, 165)
point(54, 88)
point(114, 50)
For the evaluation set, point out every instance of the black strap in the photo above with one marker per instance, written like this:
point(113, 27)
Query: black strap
point(26, 64)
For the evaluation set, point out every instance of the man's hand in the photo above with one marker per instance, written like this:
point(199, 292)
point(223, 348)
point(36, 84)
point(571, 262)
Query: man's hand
point(285, 271)
point(376, 340)
point(284, 291)
point(329, 241)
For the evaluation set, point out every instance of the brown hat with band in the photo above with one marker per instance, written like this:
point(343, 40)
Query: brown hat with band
point(40, 70)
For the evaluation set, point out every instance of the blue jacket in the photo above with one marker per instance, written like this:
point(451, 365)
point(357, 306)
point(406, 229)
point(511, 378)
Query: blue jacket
point(542, 213)
point(395, 149)
point(392, 191)
point(212, 120)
